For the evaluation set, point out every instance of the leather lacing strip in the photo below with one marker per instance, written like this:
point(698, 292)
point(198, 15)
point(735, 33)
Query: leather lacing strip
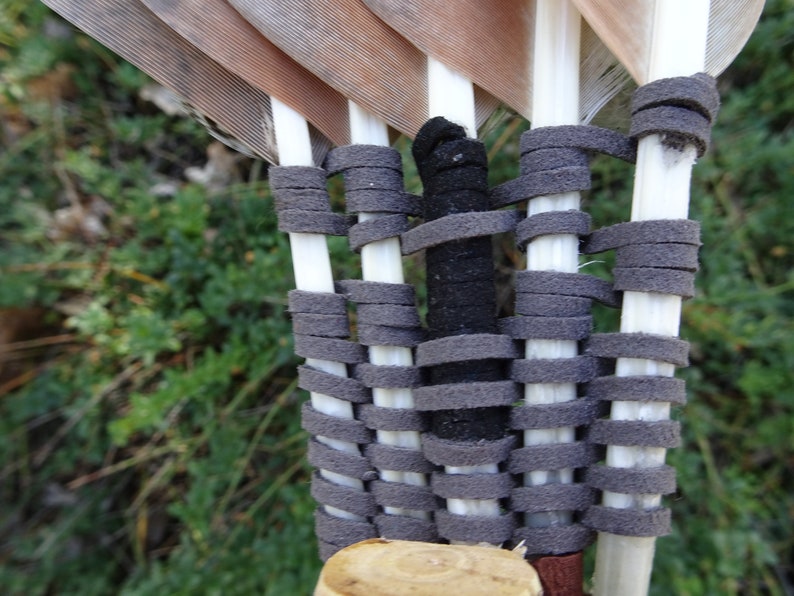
point(651, 256)
point(681, 109)
point(554, 160)
point(373, 179)
point(302, 201)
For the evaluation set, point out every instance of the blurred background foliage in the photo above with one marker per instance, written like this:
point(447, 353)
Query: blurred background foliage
point(149, 426)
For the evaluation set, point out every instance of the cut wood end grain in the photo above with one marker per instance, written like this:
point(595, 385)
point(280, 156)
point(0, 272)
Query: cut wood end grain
point(381, 567)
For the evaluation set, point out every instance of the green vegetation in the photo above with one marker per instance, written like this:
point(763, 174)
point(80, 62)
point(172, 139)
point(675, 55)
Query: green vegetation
point(149, 432)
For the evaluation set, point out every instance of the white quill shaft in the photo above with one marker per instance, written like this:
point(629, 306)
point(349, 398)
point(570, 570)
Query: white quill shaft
point(661, 191)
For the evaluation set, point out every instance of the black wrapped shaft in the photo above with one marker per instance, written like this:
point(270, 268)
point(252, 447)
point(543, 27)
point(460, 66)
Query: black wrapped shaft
point(460, 279)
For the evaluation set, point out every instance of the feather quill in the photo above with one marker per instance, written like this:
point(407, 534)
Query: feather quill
point(656, 40)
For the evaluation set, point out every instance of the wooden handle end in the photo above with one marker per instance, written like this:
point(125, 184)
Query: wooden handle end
point(381, 567)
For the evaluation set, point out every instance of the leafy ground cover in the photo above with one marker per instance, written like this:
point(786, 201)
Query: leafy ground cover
point(148, 411)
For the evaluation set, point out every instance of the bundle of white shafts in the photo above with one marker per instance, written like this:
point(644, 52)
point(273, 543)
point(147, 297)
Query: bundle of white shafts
point(381, 261)
point(675, 32)
point(555, 102)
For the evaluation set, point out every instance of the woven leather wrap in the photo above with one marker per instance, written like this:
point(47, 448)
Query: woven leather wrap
point(469, 370)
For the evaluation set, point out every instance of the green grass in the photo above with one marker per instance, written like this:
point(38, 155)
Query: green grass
point(149, 433)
